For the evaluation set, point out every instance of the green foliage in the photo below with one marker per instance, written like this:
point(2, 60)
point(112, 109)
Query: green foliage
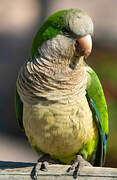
point(105, 64)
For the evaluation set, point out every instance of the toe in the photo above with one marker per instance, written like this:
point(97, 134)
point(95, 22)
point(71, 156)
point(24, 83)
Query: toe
point(44, 166)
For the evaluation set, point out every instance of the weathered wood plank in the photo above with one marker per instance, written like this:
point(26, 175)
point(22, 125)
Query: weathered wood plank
point(21, 171)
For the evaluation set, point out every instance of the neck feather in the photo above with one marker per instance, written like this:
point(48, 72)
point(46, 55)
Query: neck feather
point(50, 76)
point(39, 80)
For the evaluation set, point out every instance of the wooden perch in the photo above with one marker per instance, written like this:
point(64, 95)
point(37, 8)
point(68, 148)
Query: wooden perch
point(21, 171)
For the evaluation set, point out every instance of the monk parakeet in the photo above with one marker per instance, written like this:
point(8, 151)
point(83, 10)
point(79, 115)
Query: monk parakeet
point(59, 99)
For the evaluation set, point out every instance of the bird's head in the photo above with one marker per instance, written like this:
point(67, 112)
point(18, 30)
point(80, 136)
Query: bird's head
point(66, 32)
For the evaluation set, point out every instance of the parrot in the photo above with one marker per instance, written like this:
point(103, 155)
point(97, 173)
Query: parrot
point(59, 99)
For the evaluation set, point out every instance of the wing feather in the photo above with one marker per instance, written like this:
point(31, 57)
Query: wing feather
point(97, 103)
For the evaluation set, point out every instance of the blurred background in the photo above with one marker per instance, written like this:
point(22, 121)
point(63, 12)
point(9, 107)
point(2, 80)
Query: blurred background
point(19, 21)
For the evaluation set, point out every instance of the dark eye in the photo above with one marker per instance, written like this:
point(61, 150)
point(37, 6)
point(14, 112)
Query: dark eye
point(65, 30)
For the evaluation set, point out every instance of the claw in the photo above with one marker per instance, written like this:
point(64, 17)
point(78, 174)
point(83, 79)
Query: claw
point(34, 173)
point(42, 164)
point(77, 165)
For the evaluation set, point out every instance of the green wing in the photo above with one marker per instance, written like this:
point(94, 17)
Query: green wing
point(95, 92)
point(97, 103)
point(18, 109)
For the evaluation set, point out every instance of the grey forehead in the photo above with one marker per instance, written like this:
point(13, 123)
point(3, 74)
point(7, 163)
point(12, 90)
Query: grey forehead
point(79, 23)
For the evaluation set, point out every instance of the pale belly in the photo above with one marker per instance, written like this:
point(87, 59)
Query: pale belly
point(58, 129)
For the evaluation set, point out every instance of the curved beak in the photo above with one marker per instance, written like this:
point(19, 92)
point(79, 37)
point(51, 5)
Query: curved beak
point(84, 46)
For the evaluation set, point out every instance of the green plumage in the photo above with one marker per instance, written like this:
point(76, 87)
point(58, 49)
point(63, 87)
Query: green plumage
point(95, 92)
point(51, 27)
point(48, 30)
point(95, 149)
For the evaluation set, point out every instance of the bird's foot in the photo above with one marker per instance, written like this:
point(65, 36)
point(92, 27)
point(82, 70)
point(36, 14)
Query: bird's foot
point(77, 165)
point(41, 164)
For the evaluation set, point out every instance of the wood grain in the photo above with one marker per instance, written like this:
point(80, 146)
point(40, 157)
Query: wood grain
point(21, 171)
